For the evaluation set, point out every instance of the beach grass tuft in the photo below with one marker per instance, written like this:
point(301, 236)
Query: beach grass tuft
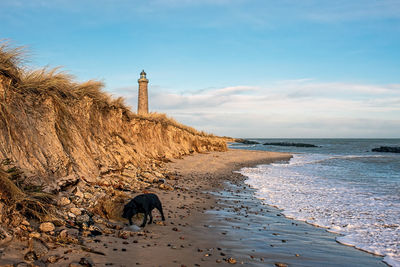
point(63, 89)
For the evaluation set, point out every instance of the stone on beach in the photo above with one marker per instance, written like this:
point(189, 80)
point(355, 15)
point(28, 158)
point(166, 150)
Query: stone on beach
point(231, 260)
point(64, 201)
point(88, 195)
point(75, 211)
point(124, 234)
point(34, 234)
point(52, 259)
point(47, 227)
point(78, 192)
point(165, 187)
point(25, 222)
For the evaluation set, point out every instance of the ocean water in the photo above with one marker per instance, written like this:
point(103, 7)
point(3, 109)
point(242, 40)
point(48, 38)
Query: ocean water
point(341, 186)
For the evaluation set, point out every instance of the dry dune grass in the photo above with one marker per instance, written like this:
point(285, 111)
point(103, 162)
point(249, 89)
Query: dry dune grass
point(31, 204)
point(62, 88)
point(49, 82)
point(164, 119)
point(10, 58)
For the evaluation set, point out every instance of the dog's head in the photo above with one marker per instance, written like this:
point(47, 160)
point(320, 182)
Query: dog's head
point(129, 210)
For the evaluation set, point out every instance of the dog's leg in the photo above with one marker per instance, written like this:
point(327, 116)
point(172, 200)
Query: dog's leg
point(144, 220)
point(159, 207)
point(151, 218)
point(130, 221)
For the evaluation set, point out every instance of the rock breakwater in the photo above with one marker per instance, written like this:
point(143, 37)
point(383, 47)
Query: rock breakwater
point(387, 149)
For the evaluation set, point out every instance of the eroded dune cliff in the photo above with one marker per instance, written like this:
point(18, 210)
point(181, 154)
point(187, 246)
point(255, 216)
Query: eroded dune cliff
point(56, 133)
point(52, 128)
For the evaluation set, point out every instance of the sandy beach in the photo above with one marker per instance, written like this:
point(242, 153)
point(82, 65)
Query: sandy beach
point(268, 130)
point(212, 219)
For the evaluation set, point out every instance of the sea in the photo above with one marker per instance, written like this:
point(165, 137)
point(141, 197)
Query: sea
point(339, 185)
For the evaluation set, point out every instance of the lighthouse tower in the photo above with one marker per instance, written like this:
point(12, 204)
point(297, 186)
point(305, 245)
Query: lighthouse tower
point(143, 102)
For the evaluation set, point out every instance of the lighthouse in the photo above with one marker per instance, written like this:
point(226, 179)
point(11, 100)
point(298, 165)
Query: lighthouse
point(143, 101)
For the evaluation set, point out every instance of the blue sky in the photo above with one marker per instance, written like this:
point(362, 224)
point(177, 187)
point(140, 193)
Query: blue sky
point(245, 68)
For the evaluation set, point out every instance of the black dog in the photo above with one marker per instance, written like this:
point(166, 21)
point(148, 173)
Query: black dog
point(144, 203)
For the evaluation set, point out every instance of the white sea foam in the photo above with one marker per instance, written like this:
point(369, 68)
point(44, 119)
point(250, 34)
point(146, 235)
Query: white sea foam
point(366, 219)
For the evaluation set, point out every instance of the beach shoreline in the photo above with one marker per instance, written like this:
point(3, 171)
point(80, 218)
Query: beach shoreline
point(212, 219)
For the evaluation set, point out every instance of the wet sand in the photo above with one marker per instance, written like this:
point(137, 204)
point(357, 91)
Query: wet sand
point(212, 218)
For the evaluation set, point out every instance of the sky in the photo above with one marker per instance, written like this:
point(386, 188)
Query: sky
point(241, 68)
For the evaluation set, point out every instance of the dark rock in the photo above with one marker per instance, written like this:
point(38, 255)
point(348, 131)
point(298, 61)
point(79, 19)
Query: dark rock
point(53, 259)
point(387, 149)
point(95, 232)
point(85, 262)
point(30, 256)
point(289, 144)
point(83, 221)
point(246, 142)
point(124, 234)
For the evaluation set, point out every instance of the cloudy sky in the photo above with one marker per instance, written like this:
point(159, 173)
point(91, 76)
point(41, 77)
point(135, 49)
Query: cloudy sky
point(243, 68)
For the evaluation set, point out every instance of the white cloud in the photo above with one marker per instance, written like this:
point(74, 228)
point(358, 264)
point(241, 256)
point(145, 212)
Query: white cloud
point(235, 90)
point(299, 108)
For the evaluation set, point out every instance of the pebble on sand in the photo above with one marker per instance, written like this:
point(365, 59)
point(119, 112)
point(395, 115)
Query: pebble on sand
point(52, 259)
point(64, 201)
point(47, 227)
point(76, 211)
point(35, 235)
point(231, 260)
